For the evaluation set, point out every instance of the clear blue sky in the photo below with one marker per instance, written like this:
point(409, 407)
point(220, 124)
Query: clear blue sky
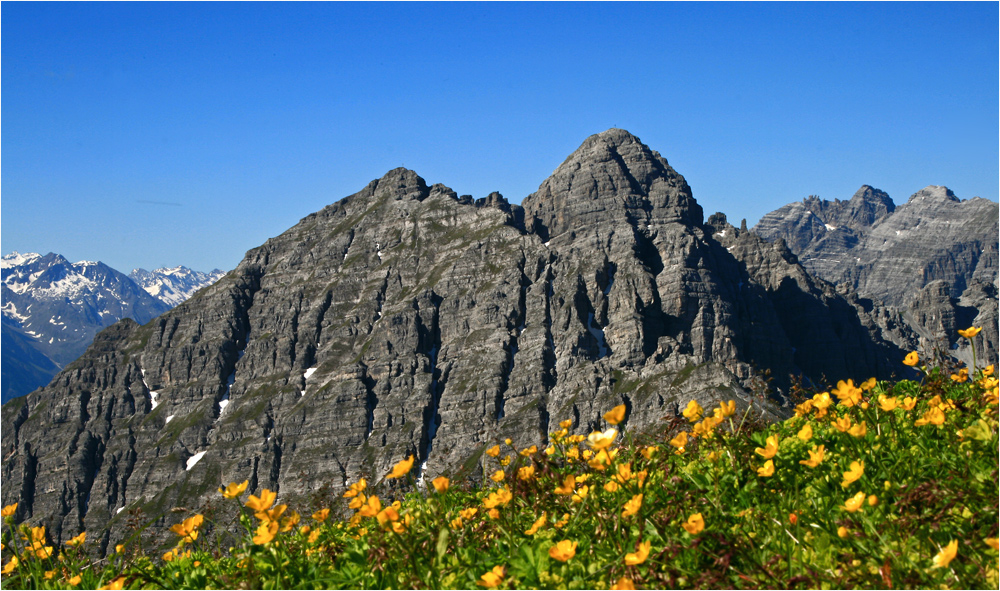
point(149, 135)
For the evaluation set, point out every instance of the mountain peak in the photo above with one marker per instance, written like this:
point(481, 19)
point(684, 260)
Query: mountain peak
point(935, 193)
point(611, 172)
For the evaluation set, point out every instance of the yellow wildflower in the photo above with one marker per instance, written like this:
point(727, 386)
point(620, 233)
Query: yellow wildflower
point(505, 461)
point(357, 502)
point(805, 433)
point(401, 469)
point(815, 457)
point(599, 441)
point(263, 503)
point(321, 515)
point(550, 450)
point(632, 506)
point(623, 584)
point(993, 543)
point(371, 507)
point(803, 408)
point(909, 402)
point(581, 494)
point(767, 469)
point(75, 580)
point(116, 585)
point(562, 522)
point(566, 424)
point(528, 451)
point(508, 441)
point(843, 532)
point(693, 411)
point(611, 486)
point(680, 440)
point(615, 415)
point(854, 503)
point(493, 451)
point(886, 403)
point(234, 490)
point(526, 473)
point(694, 524)
point(713, 456)
point(78, 539)
point(440, 483)
point(948, 553)
point(842, 424)
point(961, 377)
point(728, 408)
point(265, 533)
point(498, 476)
point(10, 566)
point(289, 523)
point(456, 523)
point(492, 579)
point(468, 513)
point(856, 471)
point(313, 536)
point(568, 486)
point(271, 514)
point(769, 449)
point(640, 555)
point(648, 451)
point(8, 511)
point(859, 430)
point(498, 498)
point(120, 548)
point(868, 384)
point(356, 488)
point(970, 332)
point(563, 550)
point(872, 500)
point(934, 416)
point(188, 530)
point(536, 525)
point(911, 359)
point(847, 393)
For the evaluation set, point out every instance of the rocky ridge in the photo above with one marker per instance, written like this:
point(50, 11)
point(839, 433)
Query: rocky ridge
point(405, 319)
point(930, 264)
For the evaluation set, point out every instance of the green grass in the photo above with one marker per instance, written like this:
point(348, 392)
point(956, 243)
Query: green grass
point(735, 505)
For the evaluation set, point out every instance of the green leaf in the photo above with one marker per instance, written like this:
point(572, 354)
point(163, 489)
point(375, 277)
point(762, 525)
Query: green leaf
point(442, 543)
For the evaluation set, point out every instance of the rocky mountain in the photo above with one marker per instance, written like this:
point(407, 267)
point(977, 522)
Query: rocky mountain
point(53, 308)
point(932, 261)
point(173, 286)
point(408, 319)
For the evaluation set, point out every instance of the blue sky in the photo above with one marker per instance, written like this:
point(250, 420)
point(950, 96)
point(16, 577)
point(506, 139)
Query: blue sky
point(148, 135)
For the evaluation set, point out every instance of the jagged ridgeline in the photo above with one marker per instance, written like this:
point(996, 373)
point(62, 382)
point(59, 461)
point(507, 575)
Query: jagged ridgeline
point(405, 319)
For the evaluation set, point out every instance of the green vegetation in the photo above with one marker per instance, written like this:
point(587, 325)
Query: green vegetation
point(881, 485)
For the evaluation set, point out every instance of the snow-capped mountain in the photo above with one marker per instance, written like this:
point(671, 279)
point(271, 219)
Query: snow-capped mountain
point(173, 286)
point(52, 309)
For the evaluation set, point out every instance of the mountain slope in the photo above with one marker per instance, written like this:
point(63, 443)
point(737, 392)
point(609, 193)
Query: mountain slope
point(404, 319)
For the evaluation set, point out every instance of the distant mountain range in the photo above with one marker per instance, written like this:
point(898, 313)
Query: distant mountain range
point(52, 309)
point(930, 263)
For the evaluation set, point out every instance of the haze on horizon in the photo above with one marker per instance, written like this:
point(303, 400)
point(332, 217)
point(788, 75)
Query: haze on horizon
point(152, 135)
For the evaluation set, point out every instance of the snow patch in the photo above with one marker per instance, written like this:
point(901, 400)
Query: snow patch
point(309, 372)
point(378, 251)
point(120, 509)
point(830, 228)
point(547, 243)
point(598, 332)
point(170, 418)
point(16, 259)
point(722, 233)
point(223, 404)
point(194, 460)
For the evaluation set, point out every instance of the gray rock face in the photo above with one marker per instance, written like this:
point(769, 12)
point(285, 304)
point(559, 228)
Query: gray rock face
point(931, 262)
point(406, 319)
